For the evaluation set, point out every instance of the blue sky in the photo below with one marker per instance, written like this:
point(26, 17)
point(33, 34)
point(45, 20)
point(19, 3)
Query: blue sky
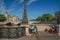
point(34, 8)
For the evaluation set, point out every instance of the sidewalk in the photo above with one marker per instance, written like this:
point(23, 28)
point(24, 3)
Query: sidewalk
point(39, 36)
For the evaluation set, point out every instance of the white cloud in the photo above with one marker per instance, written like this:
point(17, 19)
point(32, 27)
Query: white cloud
point(11, 9)
point(31, 1)
point(20, 1)
point(2, 6)
point(12, 6)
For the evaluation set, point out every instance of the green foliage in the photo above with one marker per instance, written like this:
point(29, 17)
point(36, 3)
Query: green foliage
point(2, 18)
point(33, 20)
point(46, 17)
point(39, 18)
point(57, 16)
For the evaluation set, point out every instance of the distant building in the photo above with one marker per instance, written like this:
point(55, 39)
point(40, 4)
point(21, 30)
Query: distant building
point(11, 18)
point(15, 19)
point(6, 15)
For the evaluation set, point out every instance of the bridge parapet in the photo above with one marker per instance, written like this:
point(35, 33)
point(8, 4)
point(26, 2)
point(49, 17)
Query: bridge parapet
point(3, 23)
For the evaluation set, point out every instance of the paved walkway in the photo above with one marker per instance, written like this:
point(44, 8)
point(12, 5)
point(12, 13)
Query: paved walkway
point(39, 36)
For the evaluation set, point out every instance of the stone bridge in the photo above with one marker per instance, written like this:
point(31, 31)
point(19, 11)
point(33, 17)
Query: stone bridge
point(43, 27)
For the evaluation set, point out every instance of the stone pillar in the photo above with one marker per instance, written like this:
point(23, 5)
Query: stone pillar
point(58, 30)
point(27, 31)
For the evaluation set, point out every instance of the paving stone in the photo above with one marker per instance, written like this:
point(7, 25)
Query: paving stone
point(39, 36)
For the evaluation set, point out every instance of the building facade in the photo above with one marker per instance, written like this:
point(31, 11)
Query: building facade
point(11, 18)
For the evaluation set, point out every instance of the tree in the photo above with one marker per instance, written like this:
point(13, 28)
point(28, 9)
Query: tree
point(33, 20)
point(39, 18)
point(57, 14)
point(2, 18)
point(52, 18)
point(48, 17)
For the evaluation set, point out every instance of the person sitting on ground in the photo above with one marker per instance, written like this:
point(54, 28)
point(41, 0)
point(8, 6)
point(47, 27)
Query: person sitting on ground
point(52, 30)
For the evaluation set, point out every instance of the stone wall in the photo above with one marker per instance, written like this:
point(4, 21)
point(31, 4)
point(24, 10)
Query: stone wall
point(42, 27)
